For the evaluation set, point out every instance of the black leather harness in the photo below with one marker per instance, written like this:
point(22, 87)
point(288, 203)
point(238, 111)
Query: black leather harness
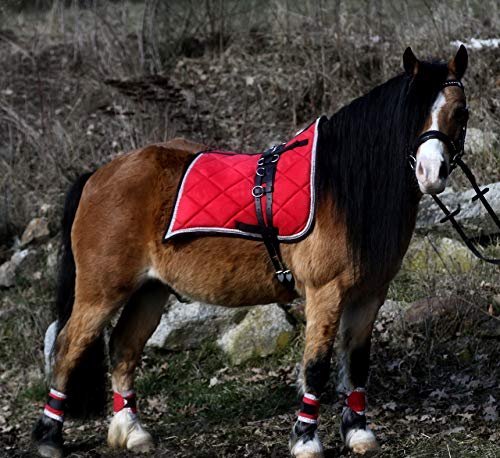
point(264, 186)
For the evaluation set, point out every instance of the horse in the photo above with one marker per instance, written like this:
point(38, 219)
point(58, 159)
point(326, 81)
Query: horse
point(373, 166)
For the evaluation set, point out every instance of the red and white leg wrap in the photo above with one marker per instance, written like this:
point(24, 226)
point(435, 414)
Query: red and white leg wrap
point(356, 401)
point(309, 409)
point(55, 405)
point(127, 400)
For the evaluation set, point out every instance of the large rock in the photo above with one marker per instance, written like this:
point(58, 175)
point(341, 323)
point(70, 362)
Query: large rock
point(8, 269)
point(264, 331)
point(186, 326)
point(472, 216)
point(436, 254)
point(36, 230)
point(479, 141)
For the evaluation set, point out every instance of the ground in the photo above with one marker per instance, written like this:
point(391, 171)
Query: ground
point(80, 85)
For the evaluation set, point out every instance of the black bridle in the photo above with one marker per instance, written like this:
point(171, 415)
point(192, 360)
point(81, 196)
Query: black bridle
point(456, 151)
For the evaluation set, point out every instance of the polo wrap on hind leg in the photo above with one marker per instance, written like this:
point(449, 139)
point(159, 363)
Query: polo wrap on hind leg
point(126, 401)
point(55, 405)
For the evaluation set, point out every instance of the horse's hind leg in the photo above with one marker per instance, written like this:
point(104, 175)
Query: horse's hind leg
point(323, 311)
point(91, 312)
point(356, 330)
point(139, 319)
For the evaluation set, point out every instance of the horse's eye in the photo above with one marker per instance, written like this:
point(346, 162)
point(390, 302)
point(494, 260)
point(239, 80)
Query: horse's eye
point(461, 114)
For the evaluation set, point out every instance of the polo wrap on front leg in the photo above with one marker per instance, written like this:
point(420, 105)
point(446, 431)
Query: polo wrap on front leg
point(356, 400)
point(309, 409)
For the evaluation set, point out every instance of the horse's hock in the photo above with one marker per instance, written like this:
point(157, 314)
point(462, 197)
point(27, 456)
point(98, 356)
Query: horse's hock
point(242, 333)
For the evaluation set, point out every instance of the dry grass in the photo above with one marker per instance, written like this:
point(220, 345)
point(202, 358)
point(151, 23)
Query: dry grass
point(233, 74)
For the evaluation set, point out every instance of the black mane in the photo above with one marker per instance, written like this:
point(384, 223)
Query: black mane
point(363, 164)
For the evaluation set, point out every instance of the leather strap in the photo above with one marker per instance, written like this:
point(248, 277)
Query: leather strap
point(264, 187)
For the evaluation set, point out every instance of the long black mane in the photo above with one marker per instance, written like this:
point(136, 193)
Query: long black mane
point(363, 164)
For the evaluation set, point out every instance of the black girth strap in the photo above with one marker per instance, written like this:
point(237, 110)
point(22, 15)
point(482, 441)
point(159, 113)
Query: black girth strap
point(264, 187)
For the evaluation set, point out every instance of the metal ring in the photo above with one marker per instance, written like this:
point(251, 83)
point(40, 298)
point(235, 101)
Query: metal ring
point(260, 192)
point(260, 171)
point(413, 161)
point(260, 161)
point(275, 158)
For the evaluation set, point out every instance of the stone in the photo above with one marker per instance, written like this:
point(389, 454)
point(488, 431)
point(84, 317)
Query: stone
point(478, 141)
point(434, 307)
point(437, 254)
point(7, 274)
point(8, 269)
point(36, 230)
point(264, 330)
point(473, 217)
point(48, 345)
point(189, 325)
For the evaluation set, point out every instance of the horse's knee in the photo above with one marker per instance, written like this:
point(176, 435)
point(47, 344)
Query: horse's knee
point(126, 431)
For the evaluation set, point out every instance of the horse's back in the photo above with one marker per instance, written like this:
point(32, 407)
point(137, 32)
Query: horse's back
point(122, 202)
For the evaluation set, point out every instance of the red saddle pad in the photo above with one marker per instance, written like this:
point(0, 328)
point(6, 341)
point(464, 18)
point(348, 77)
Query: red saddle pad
point(215, 192)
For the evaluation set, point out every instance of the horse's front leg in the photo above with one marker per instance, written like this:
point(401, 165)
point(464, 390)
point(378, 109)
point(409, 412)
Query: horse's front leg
point(356, 331)
point(323, 311)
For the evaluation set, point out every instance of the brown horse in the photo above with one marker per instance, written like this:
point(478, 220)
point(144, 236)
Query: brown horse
point(367, 198)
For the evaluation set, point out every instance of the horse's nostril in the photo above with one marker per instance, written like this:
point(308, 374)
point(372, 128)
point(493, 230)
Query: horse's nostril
point(443, 170)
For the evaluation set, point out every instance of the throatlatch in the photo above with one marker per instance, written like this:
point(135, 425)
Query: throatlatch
point(456, 151)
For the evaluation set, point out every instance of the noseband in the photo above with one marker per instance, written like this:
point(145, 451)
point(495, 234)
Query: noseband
point(456, 151)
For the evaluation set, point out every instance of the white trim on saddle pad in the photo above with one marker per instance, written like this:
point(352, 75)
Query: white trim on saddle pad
point(237, 232)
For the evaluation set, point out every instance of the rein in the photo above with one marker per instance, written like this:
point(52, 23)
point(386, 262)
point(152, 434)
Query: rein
point(457, 150)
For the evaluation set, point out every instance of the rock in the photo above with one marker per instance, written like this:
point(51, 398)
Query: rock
point(8, 269)
point(36, 230)
point(437, 254)
point(472, 216)
point(264, 331)
point(479, 141)
point(7, 274)
point(48, 345)
point(433, 307)
point(187, 326)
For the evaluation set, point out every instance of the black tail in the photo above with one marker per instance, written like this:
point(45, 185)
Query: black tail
point(86, 389)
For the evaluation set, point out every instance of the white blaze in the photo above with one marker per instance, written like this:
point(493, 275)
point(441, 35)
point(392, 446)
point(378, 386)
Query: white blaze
point(431, 155)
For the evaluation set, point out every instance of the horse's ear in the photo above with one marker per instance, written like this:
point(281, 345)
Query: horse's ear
point(410, 62)
point(458, 64)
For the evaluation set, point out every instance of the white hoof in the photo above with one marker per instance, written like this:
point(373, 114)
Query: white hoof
point(361, 441)
point(126, 431)
point(309, 449)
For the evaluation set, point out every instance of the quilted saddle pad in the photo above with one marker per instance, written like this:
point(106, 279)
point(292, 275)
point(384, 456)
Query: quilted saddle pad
point(215, 192)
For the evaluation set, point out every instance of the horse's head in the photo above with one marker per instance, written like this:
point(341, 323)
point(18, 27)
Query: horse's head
point(443, 133)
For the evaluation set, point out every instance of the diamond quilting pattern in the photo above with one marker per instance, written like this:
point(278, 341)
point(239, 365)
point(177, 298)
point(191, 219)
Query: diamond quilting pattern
point(216, 192)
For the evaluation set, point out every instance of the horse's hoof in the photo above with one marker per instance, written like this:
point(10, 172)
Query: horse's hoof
point(47, 436)
point(307, 447)
point(50, 451)
point(126, 431)
point(140, 442)
point(361, 441)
